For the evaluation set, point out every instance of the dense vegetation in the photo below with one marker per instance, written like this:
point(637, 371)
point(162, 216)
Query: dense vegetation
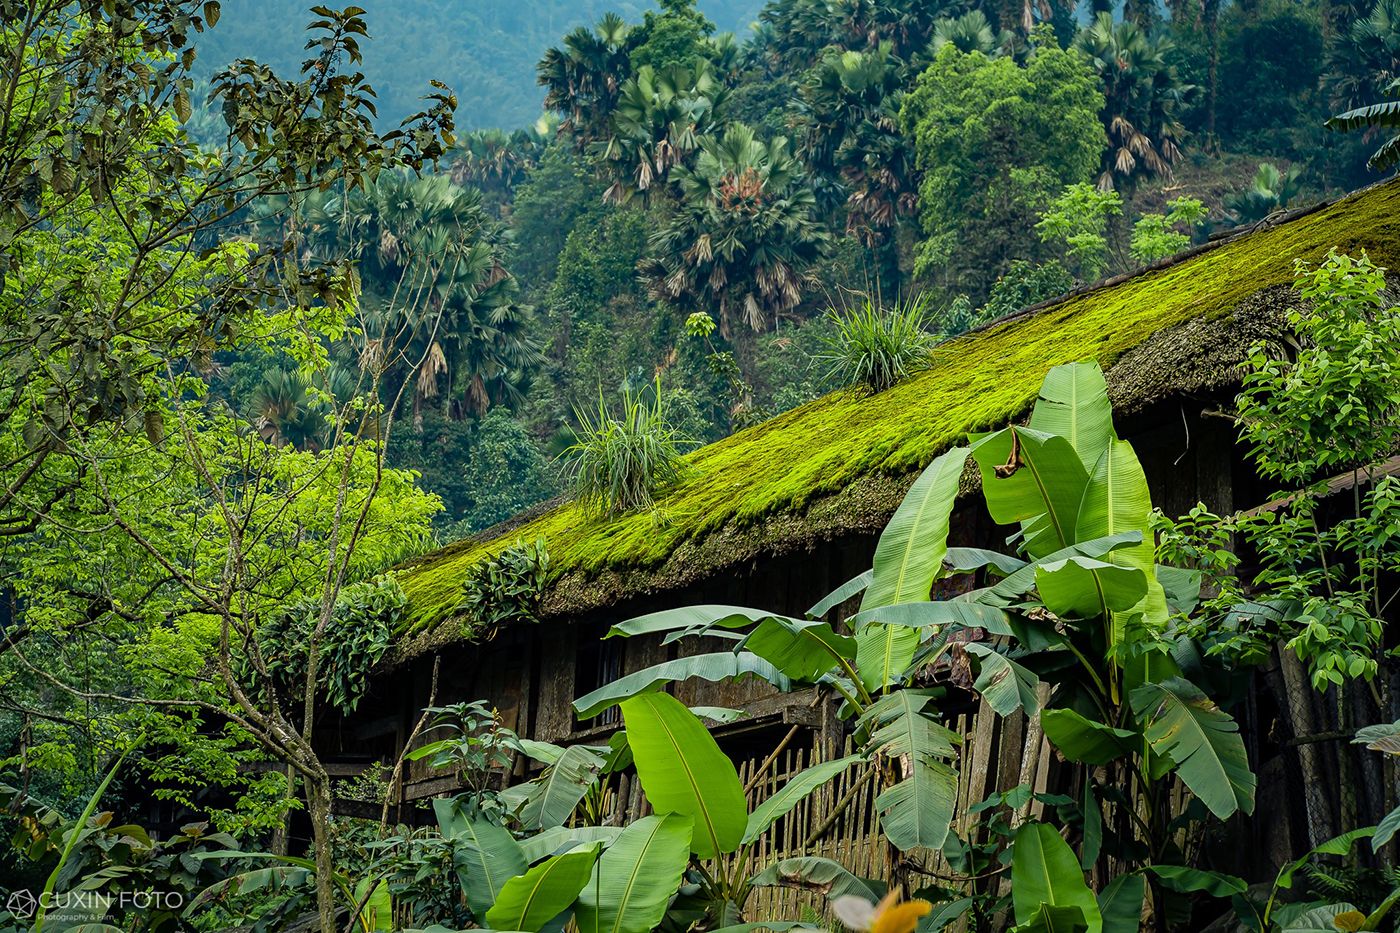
point(261, 342)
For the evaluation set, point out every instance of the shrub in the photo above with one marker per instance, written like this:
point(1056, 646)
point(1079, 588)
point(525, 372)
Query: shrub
point(507, 587)
point(619, 463)
point(876, 347)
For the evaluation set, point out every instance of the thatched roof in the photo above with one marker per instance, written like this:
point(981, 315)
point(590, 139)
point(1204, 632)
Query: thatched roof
point(840, 464)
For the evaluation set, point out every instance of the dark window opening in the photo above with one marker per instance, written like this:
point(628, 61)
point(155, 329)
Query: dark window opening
point(599, 664)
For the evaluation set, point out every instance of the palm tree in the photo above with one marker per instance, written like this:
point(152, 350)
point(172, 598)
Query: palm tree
point(1142, 98)
point(584, 76)
point(660, 118)
point(1365, 59)
point(1269, 191)
point(744, 235)
point(1385, 114)
point(971, 32)
point(440, 305)
point(849, 119)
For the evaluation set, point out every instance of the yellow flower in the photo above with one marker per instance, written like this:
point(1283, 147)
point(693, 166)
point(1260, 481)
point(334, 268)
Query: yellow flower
point(889, 916)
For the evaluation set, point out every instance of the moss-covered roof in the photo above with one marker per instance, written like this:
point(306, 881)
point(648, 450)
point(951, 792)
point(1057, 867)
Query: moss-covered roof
point(839, 464)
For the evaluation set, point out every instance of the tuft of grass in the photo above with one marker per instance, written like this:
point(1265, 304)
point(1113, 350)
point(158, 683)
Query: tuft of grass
point(619, 463)
point(878, 347)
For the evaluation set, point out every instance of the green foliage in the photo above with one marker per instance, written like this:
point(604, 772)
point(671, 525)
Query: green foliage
point(1271, 190)
point(975, 120)
point(505, 588)
point(357, 635)
point(620, 463)
point(475, 745)
point(1143, 98)
point(744, 236)
point(1025, 284)
point(1158, 236)
point(1374, 116)
point(876, 346)
point(1077, 220)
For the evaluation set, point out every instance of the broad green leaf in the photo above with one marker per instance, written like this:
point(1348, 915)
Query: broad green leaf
point(942, 612)
point(1036, 479)
point(557, 792)
point(910, 552)
point(1022, 581)
point(1331, 918)
point(1186, 880)
point(563, 839)
point(634, 880)
point(811, 873)
point(1086, 588)
point(1044, 870)
point(1091, 842)
point(377, 914)
point(1003, 683)
point(967, 559)
point(720, 714)
point(527, 902)
point(484, 854)
point(1382, 738)
point(940, 918)
point(689, 618)
point(1084, 740)
point(543, 752)
point(839, 595)
point(1117, 499)
point(803, 649)
point(917, 811)
point(683, 771)
point(1386, 829)
point(1121, 904)
point(1183, 724)
point(714, 667)
point(1337, 845)
point(1073, 403)
point(1048, 919)
point(883, 653)
point(792, 793)
point(1181, 587)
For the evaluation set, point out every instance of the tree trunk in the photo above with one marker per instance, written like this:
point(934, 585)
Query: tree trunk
point(318, 807)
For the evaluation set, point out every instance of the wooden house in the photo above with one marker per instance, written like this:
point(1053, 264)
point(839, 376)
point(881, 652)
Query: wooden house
point(779, 514)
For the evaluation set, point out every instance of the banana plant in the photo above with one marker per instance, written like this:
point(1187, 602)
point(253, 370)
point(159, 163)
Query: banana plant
point(1073, 627)
point(690, 860)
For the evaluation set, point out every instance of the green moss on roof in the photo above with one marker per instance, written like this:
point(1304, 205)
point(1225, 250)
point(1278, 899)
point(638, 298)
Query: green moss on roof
point(976, 382)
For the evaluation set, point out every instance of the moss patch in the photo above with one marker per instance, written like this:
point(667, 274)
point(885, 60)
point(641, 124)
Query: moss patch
point(776, 469)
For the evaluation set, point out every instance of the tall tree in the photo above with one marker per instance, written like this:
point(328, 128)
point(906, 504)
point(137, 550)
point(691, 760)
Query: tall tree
point(743, 236)
point(583, 77)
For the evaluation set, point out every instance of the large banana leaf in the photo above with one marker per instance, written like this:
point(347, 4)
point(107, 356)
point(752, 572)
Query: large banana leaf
point(942, 612)
point(1385, 113)
point(968, 559)
point(1048, 919)
point(884, 653)
point(527, 902)
point(916, 811)
point(714, 667)
point(1044, 870)
point(1004, 684)
point(1183, 725)
point(689, 618)
point(1086, 588)
point(1084, 740)
point(1036, 479)
point(910, 552)
point(563, 839)
point(836, 597)
point(792, 793)
point(1116, 499)
point(1121, 904)
point(803, 649)
point(484, 854)
point(812, 873)
point(1074, 404)
point(634, 880)
point(1022, 581)
point(557, 792)
point(683, 771)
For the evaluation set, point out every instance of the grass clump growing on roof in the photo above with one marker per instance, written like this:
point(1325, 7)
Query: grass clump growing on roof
point(877, 347)
point(620, 463)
